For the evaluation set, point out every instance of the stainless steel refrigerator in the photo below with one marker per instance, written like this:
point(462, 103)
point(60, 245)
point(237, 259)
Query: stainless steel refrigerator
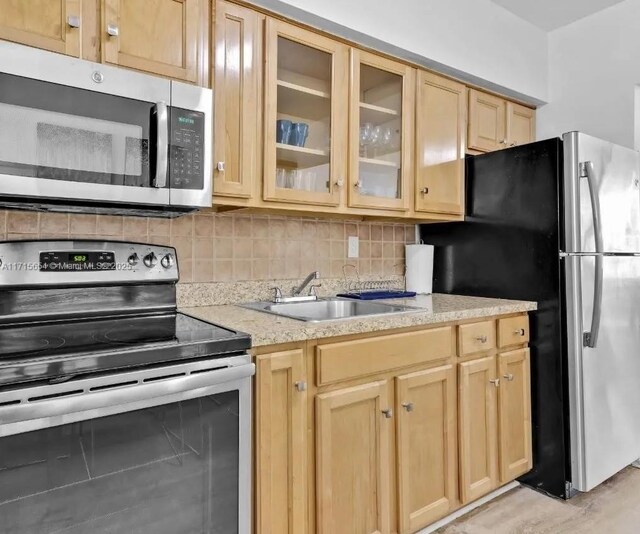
point(558, 222)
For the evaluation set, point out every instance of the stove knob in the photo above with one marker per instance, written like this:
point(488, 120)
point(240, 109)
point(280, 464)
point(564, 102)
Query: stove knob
point(167, 261)
point(150, 259)
point(133, 259)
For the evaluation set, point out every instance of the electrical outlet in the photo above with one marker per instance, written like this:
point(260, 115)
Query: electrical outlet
point(354, 246)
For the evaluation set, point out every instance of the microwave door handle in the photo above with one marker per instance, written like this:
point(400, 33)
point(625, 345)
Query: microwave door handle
point(590, 339)
point(162, 145)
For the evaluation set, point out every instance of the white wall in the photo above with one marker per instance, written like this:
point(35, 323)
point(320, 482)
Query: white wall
point(594, 68)
point(476, 37)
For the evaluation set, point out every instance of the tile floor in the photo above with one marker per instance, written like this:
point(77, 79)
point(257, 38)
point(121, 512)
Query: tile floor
point(612, 508)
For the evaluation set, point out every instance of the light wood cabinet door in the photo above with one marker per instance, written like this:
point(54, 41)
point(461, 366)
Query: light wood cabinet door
point(514, 413)
point(440, 144)
point(487, 121)
point(164, 37)
point(427, 454)
point(281, 443)
point(305, 116)
point(521, 124)
point(478, 429)
point(381, 133)
point(353, 460)
point(53, 25)
point(237, 64)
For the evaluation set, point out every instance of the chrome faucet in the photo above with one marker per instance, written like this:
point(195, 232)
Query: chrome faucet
point(298, 290)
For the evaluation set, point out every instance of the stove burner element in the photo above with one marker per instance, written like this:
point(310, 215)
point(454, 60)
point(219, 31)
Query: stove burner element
point(137, 333)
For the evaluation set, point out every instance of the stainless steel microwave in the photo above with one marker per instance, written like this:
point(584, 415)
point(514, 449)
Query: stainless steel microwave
point(84, 137)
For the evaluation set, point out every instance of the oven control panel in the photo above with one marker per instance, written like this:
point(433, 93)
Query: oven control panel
point(186, 151)
point(85, 262)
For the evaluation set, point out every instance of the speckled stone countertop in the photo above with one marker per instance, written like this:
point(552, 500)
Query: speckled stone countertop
point(268, 329)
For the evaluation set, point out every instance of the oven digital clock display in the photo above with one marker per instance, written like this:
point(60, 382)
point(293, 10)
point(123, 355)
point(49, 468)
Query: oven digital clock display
point(77, 261)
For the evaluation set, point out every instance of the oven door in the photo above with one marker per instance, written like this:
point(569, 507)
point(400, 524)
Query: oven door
point(160, 451)
point(75, 130)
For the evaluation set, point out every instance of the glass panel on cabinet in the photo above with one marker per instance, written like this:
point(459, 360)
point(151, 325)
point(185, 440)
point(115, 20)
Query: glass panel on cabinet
point(380, 133)
point(303, 120)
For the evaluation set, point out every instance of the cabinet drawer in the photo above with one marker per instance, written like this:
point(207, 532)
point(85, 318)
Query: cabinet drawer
point(361, 357)
point(513, 331)
point(476, 337)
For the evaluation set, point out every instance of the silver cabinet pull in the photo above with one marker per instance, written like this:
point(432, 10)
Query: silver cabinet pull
point(509, 377)
point(519, 332)
point(358, 184)
point(482, 339)
point(162, 144)
point(408, 406)
point(503, 142)
point(220, 166)
point(495, 382)
point(113, 30)
point(424, 191)
point(73, 21)
point(388, 413)
point(339, 183)
point(301, 386)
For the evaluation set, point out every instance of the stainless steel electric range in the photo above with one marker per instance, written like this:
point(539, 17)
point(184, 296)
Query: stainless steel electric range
point(117, 413)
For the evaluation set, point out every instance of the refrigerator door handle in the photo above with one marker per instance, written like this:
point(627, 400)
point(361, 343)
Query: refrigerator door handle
point(590, 339)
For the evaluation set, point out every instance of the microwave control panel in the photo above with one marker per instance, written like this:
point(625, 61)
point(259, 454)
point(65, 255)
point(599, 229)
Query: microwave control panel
point(186, 152)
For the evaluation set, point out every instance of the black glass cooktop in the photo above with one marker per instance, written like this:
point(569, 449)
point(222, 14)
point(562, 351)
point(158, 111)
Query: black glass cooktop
point(51, 350)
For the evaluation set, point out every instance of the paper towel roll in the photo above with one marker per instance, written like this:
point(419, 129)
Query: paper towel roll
point(419, 268)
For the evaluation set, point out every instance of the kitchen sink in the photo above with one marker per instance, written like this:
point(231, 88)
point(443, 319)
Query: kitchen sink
point(328, 309)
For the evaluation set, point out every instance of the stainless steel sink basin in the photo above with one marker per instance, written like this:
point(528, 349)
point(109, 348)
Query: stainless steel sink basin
point(328, 309)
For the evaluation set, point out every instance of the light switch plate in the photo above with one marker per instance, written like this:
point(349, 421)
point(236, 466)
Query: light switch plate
point(353, 247)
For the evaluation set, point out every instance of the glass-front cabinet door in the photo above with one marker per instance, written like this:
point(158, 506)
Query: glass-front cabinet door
point(306, 118)
point(381, 132)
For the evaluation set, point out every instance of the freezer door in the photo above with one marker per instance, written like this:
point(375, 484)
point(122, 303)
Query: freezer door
point(614, 202)
point(604, 381)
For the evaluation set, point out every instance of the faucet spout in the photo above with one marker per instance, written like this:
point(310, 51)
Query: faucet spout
point(298, 290)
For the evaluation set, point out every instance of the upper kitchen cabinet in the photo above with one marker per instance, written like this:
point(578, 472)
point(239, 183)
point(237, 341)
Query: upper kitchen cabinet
point(440, 144)
point(305, 116)
point(237, 65)
point(381, 132)
point(495, 123)
point(521, 124)
point(164, 37)
point(49, 24)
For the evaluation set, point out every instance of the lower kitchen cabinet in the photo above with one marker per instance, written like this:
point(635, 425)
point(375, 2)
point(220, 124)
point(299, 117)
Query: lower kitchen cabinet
point(281, 443)
point(514, 410)
point(395, 431)
point(427, 453)
point(352, 459)
point(478, 434)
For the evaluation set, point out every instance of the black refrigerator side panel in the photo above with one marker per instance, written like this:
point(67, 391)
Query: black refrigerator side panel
point(507, 247)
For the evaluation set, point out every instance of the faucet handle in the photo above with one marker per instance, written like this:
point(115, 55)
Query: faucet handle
point(277, 294)
point(312, 290)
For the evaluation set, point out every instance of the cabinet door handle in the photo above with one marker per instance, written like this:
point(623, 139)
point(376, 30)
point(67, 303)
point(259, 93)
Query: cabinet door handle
point(339, 183)
point(113, 30)
point(495, 382)
point(220, 166)
point(301, 386)
point(388, 413)
point(358, 185)
point(503, 142)
point(509, 377)
point(408, 406)
point(73, 21)
point(424, 191)
point(519, 332)
point(482, 339)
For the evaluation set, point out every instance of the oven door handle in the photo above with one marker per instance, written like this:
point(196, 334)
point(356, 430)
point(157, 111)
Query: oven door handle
point(162, 145)
point(35, 408)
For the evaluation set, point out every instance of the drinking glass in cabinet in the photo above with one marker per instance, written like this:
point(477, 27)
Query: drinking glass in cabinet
point(380, 111)
point(304, 101)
